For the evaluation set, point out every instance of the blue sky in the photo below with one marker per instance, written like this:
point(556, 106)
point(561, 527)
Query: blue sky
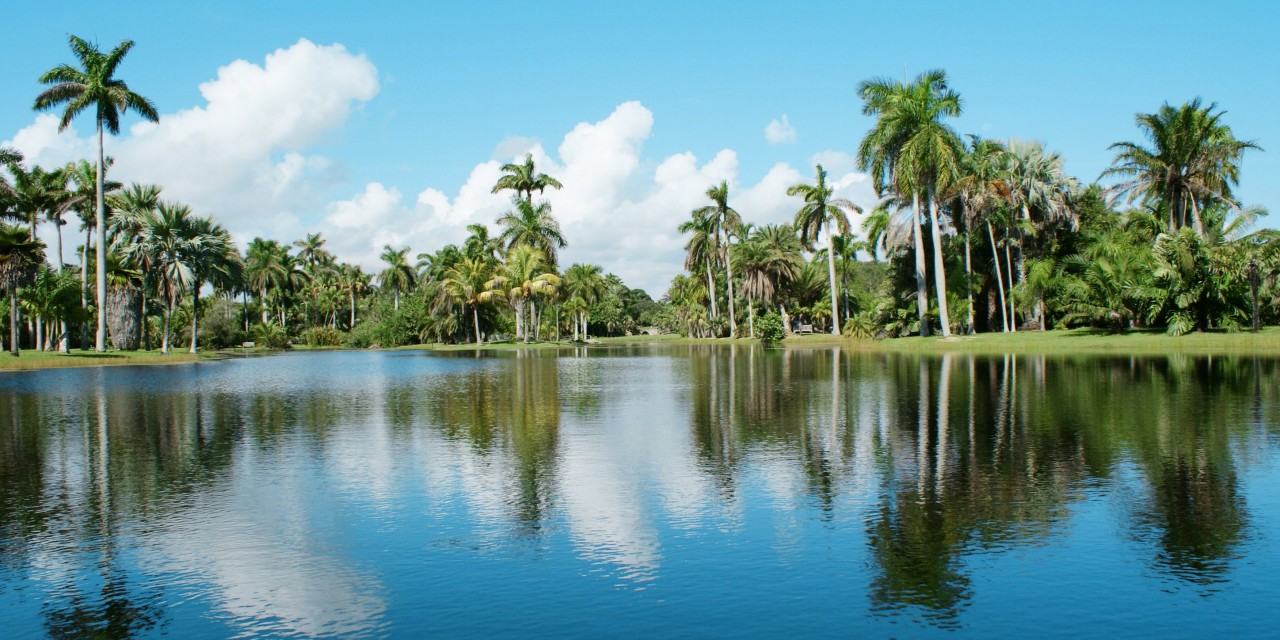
point(425, 99)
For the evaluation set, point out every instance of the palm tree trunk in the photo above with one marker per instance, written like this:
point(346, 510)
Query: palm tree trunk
point(13, 321)
point(1195, 216)
point(939, 267)
point(142, 315)
point(353, 308)
point(1013, 313)
point(728, 269)
point(244, 303)
point(711, 290)
point(195, 315)
point(968, 279)
point(263, 300)
point(39, 333)
point(397, 302)
point(831, 279)
point(844, 285)
point(475, 320)
point(995, 260)
point(100, 343)
point(164, 338)
point(922, 297)
point(84, 286)
point(530, 331)
point(57, 223)
point(583, 315)
point(64, 344)
point(751, 318)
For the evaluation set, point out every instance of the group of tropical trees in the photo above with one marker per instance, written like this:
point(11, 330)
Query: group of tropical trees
point(160, 269)
point(1014, 242)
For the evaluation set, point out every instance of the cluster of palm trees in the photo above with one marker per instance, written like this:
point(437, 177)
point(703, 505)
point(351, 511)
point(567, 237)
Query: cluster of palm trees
point(1014, 242)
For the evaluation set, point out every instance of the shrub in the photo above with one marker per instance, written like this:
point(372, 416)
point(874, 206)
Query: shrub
point(271, 336)
point(769, 328)
point(321, 337)
point(220, 329)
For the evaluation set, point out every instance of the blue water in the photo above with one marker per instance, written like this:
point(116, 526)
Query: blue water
point(666, 491)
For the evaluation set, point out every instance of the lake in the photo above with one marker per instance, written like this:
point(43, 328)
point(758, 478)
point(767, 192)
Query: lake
point(633, 492)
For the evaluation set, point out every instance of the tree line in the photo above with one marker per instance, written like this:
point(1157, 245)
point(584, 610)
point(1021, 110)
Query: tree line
point(153, 258)
point(1014, 242)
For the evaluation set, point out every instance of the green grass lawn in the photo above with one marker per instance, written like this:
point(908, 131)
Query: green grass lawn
point(87, 358)
point(1084, 341)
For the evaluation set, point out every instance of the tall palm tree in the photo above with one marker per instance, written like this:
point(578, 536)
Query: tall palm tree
point(726, 223)
point(94, 84)
point(398, 274)
point(1040, 190)
point(533, 225)
point(20, 260)
point(166, 237)
point(213, 258)
point(524, 179)
point(910, 149)
point(131, 209)
point(820, 212)
point(979, 187)
point(464, 282)
point(353, 281)
point(701, 250)
point(1192, 157)
point(312, 253)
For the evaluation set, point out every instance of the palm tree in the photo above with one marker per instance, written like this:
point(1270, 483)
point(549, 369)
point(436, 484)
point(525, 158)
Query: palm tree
point(819, 213)
point(533, 225)
point(1037, 184)
point(585, 284)
point(131, 210)
point(701, 250)
point(979, 187)
point(910, 149)
point(480, 245)
point(398, 274)
point(166, 237)
point(94, 84)
point(263, 268)
point(85, 177)
point(1193, 157)
point(212, 257)
point(465, 282)
point(353, 281)
point(725, 222)
point(523, 276)
point(524, 179)
point(312, 253)
point(20, 260)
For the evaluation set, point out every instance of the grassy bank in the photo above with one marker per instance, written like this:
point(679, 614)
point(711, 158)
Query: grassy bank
point(1075, 341)
point(87, 358)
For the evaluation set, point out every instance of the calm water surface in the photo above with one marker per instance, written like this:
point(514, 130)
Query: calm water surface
point(639, 492)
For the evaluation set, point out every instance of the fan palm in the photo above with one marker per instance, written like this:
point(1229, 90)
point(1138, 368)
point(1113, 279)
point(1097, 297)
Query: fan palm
point(820, 212)
point(94, 84)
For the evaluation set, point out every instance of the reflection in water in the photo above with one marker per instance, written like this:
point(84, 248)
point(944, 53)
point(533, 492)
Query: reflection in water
point(289, 496)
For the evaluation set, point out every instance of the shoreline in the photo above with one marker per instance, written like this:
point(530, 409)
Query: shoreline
point(1058, 343)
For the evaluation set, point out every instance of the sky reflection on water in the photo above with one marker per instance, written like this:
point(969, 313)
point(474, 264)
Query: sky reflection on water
point(687, 490)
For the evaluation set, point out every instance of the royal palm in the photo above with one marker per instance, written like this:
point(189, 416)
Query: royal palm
point(821, 212)
point(94, 85)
